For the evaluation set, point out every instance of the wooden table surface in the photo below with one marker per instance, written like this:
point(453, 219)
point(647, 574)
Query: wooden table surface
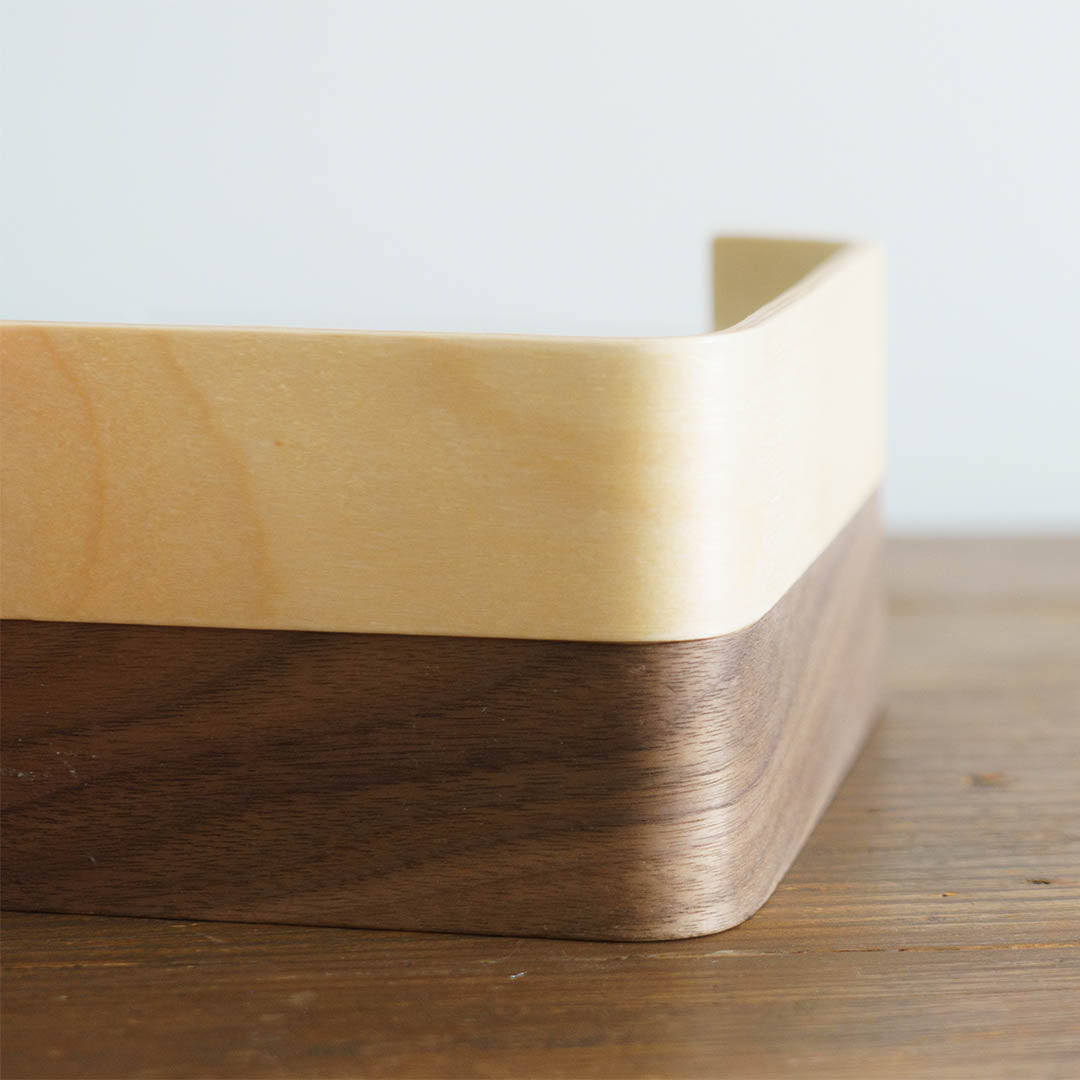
point(931, 926)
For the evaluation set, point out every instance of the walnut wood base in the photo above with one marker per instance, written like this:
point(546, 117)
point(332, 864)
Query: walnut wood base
point(460, 784)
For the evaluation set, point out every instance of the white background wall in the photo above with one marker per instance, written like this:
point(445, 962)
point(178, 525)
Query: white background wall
point(558, 166)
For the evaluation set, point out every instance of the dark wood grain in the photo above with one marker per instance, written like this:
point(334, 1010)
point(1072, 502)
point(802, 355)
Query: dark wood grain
point(153, 999)
point(456, 784)
point(929, 929)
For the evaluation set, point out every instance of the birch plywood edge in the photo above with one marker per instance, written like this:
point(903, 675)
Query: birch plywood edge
point(566, 637)
point(579, 489)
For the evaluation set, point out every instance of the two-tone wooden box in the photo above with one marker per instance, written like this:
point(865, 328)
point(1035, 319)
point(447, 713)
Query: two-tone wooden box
point(519, 635)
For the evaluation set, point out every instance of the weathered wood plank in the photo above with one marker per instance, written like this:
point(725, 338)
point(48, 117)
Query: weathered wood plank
point(859, 966)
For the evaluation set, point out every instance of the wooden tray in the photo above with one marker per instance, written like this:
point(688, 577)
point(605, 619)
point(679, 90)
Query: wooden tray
point(558, 636)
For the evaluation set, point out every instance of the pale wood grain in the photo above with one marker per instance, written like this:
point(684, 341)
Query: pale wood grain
point(523, 487)
point(930, 928)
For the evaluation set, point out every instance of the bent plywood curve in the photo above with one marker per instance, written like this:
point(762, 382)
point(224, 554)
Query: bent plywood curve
point(557, 788)
point(624, 490)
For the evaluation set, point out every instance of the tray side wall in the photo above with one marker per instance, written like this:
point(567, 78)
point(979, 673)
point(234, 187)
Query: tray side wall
point(475, 785)
point(562, 489)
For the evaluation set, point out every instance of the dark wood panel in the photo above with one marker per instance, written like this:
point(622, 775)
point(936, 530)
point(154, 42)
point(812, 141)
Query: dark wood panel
point(550, 788)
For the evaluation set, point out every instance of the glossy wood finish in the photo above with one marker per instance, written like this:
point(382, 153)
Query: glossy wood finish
point(479, 785)
point(930, 928)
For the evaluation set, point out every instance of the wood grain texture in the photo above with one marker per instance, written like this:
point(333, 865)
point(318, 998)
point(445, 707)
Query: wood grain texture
point(613, 490)
point(165, 1000)
point(930, 928)
point(480, 785)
